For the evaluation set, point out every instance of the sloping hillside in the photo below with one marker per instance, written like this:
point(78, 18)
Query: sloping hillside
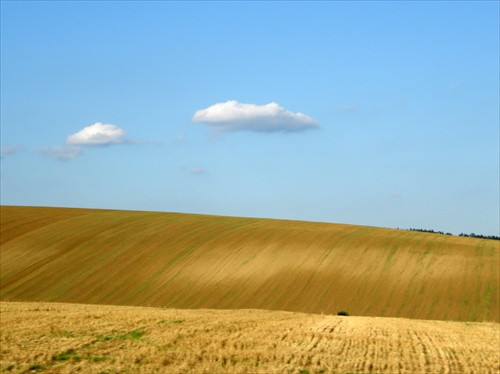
point(196, 261)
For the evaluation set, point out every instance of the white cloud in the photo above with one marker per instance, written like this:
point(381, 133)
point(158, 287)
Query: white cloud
point(63, 153)
point(198, 171)
point(235, 116)
point(180, 139)
point(9, 150)
point(98, 134)
point(348, 108)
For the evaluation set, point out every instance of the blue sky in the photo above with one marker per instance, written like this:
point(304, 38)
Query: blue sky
point(373, 113)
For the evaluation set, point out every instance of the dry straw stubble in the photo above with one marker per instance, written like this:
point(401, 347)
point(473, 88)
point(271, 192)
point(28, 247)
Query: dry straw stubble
point(65, 338)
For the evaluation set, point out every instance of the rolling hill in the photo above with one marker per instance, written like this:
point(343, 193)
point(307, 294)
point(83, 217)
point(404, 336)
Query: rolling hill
point(198, 261)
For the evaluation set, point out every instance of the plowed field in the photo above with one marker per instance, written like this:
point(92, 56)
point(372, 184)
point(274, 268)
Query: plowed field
point(68, 338)
point(196, 261)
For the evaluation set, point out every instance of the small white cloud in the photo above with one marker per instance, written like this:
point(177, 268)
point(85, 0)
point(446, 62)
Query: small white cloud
point(63, 153)
point(198, 171)
point(98, 134)
point(347, 108)
point(9, 150)
point(180, 139)
point(235, 116)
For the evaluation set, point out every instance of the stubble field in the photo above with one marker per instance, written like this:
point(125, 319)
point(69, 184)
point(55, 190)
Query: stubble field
point(68, 338)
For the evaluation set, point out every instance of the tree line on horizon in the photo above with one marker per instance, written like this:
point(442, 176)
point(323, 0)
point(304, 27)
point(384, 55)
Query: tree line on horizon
point(472, 235)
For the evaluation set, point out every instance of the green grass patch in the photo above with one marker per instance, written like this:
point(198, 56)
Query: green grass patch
point(132, 335)
point(71, 354)
point(67, 334)
point(487, 297)
point(64, 356)
point(96, 358)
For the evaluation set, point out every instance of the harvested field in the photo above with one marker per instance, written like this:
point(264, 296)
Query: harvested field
point(194, 261)
point(66, 338)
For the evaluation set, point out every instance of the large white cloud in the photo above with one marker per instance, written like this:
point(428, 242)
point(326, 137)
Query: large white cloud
point(97, 134)
point(234, 116)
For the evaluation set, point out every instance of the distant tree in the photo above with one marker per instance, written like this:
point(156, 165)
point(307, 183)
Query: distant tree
point(472, 235)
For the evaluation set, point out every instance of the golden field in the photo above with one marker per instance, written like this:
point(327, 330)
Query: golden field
point(178, 260)
point(240, 295)
point(68, 338)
